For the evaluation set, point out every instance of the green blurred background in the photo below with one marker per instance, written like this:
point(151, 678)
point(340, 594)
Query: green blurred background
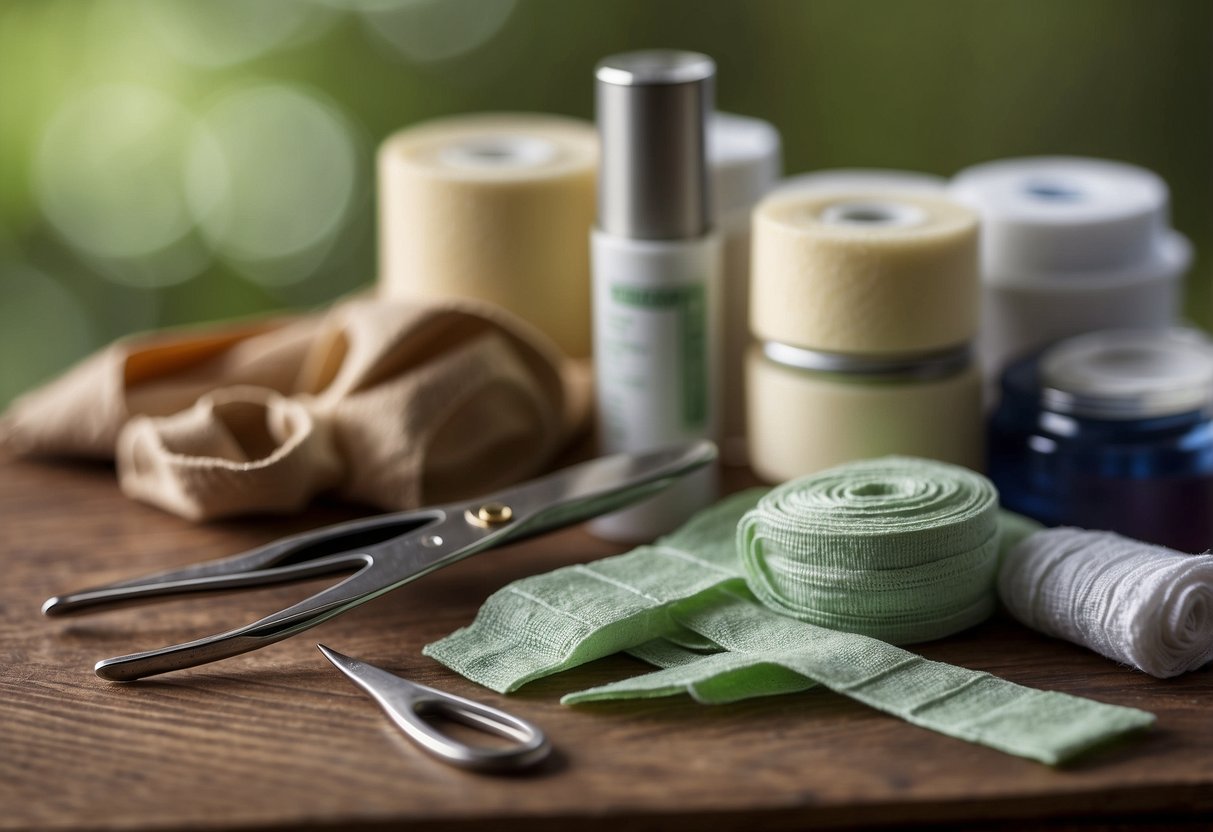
point(169, 161)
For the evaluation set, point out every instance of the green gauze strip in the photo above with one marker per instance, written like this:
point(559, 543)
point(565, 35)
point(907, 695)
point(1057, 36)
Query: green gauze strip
point(769, 653)
point(910, 526)
point(540, 625)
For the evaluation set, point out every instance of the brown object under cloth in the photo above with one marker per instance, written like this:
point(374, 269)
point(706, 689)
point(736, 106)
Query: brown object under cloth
point(391, 403)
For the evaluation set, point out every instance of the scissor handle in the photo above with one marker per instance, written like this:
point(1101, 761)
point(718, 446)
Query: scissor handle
point(309, 554)
point(407, 703)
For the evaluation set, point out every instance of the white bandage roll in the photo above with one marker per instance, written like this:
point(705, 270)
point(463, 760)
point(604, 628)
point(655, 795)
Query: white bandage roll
point(745, 161)
point(803, 421)
point(1070, 245)
point(851, 180)
point(865, 273)
point(496, 208)
point(1146, 606)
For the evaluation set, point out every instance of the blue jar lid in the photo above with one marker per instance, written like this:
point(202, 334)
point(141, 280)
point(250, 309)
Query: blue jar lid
point(1128, 374)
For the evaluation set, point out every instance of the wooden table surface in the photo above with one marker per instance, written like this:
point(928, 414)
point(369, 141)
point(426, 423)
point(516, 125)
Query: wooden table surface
point(277, 739)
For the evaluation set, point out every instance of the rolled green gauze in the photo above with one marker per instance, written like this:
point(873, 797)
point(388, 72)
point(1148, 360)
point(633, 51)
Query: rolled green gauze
point(897, 548)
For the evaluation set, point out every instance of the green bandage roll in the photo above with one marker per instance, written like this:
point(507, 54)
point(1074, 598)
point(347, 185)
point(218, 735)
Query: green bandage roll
point(900, 549)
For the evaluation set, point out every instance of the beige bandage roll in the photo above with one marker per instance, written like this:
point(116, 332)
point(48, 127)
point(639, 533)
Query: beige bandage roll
point(497, 208)
point(864, 273)
point(803, 421)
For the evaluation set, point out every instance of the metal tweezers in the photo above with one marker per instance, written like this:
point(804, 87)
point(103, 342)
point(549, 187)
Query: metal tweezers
point(408, 704)
point(384, 552)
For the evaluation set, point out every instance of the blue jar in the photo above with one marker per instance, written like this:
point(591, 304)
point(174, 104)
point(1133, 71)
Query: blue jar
point(1111, 430)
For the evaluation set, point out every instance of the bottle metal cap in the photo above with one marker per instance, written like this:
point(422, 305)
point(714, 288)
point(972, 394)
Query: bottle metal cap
point(653, 108)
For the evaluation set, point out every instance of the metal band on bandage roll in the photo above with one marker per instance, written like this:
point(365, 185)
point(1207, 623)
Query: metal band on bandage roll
point(864, 304)
point(496, 208)
point(900, 549)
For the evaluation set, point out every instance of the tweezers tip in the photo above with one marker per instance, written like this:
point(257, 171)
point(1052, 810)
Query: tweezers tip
point(355, 669)
point(333, 656)
point(111, 671)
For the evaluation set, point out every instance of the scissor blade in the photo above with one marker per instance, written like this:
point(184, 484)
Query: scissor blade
point(565, 497)
point(596, 487)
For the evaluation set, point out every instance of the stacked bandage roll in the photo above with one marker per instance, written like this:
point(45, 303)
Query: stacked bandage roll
point(497, 208)
point(863, 307)
point(1070, 245)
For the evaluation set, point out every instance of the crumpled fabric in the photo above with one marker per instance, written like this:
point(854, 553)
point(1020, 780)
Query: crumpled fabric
point(395, 404)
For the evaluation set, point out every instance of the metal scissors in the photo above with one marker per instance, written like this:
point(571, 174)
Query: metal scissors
point(408, 703)
point(384, 552)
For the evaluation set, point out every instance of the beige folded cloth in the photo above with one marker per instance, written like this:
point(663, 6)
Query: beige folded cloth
point(391, 403)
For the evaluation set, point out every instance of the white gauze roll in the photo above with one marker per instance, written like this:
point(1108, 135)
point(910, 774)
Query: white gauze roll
point(1142, 605)
point(802, 421)
point(864, 273)
point(496, 208)
point(1070, 245)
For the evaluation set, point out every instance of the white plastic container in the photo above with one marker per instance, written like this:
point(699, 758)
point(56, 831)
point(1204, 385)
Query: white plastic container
point(1068, 246)
point(744, 155)
point(656, 307)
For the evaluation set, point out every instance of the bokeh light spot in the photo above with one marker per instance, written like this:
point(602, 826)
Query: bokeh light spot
point(108, 176)
point(433, 30)
point(271, 178)
point(218, 33)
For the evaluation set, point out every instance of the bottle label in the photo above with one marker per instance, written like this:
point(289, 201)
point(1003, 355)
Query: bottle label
point(655, 342)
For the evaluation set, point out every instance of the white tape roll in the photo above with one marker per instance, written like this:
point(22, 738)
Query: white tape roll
point(802, 421)
point(1070, 245)
point(850, 180)
point(866, 273)
point(744, 155)
point(496, 208)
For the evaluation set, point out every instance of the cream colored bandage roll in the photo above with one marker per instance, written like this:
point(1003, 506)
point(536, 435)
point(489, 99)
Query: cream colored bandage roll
point(803, 421)
point(864, 273)
point(496, 208)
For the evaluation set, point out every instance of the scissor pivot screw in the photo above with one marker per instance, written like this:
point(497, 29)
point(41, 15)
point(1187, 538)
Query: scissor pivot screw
point(490, 514)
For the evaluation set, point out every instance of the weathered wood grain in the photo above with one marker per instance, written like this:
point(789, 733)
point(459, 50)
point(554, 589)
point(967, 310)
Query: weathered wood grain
point(277, 739)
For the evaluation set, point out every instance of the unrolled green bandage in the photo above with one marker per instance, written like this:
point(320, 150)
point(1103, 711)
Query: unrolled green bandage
point(895, 549)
